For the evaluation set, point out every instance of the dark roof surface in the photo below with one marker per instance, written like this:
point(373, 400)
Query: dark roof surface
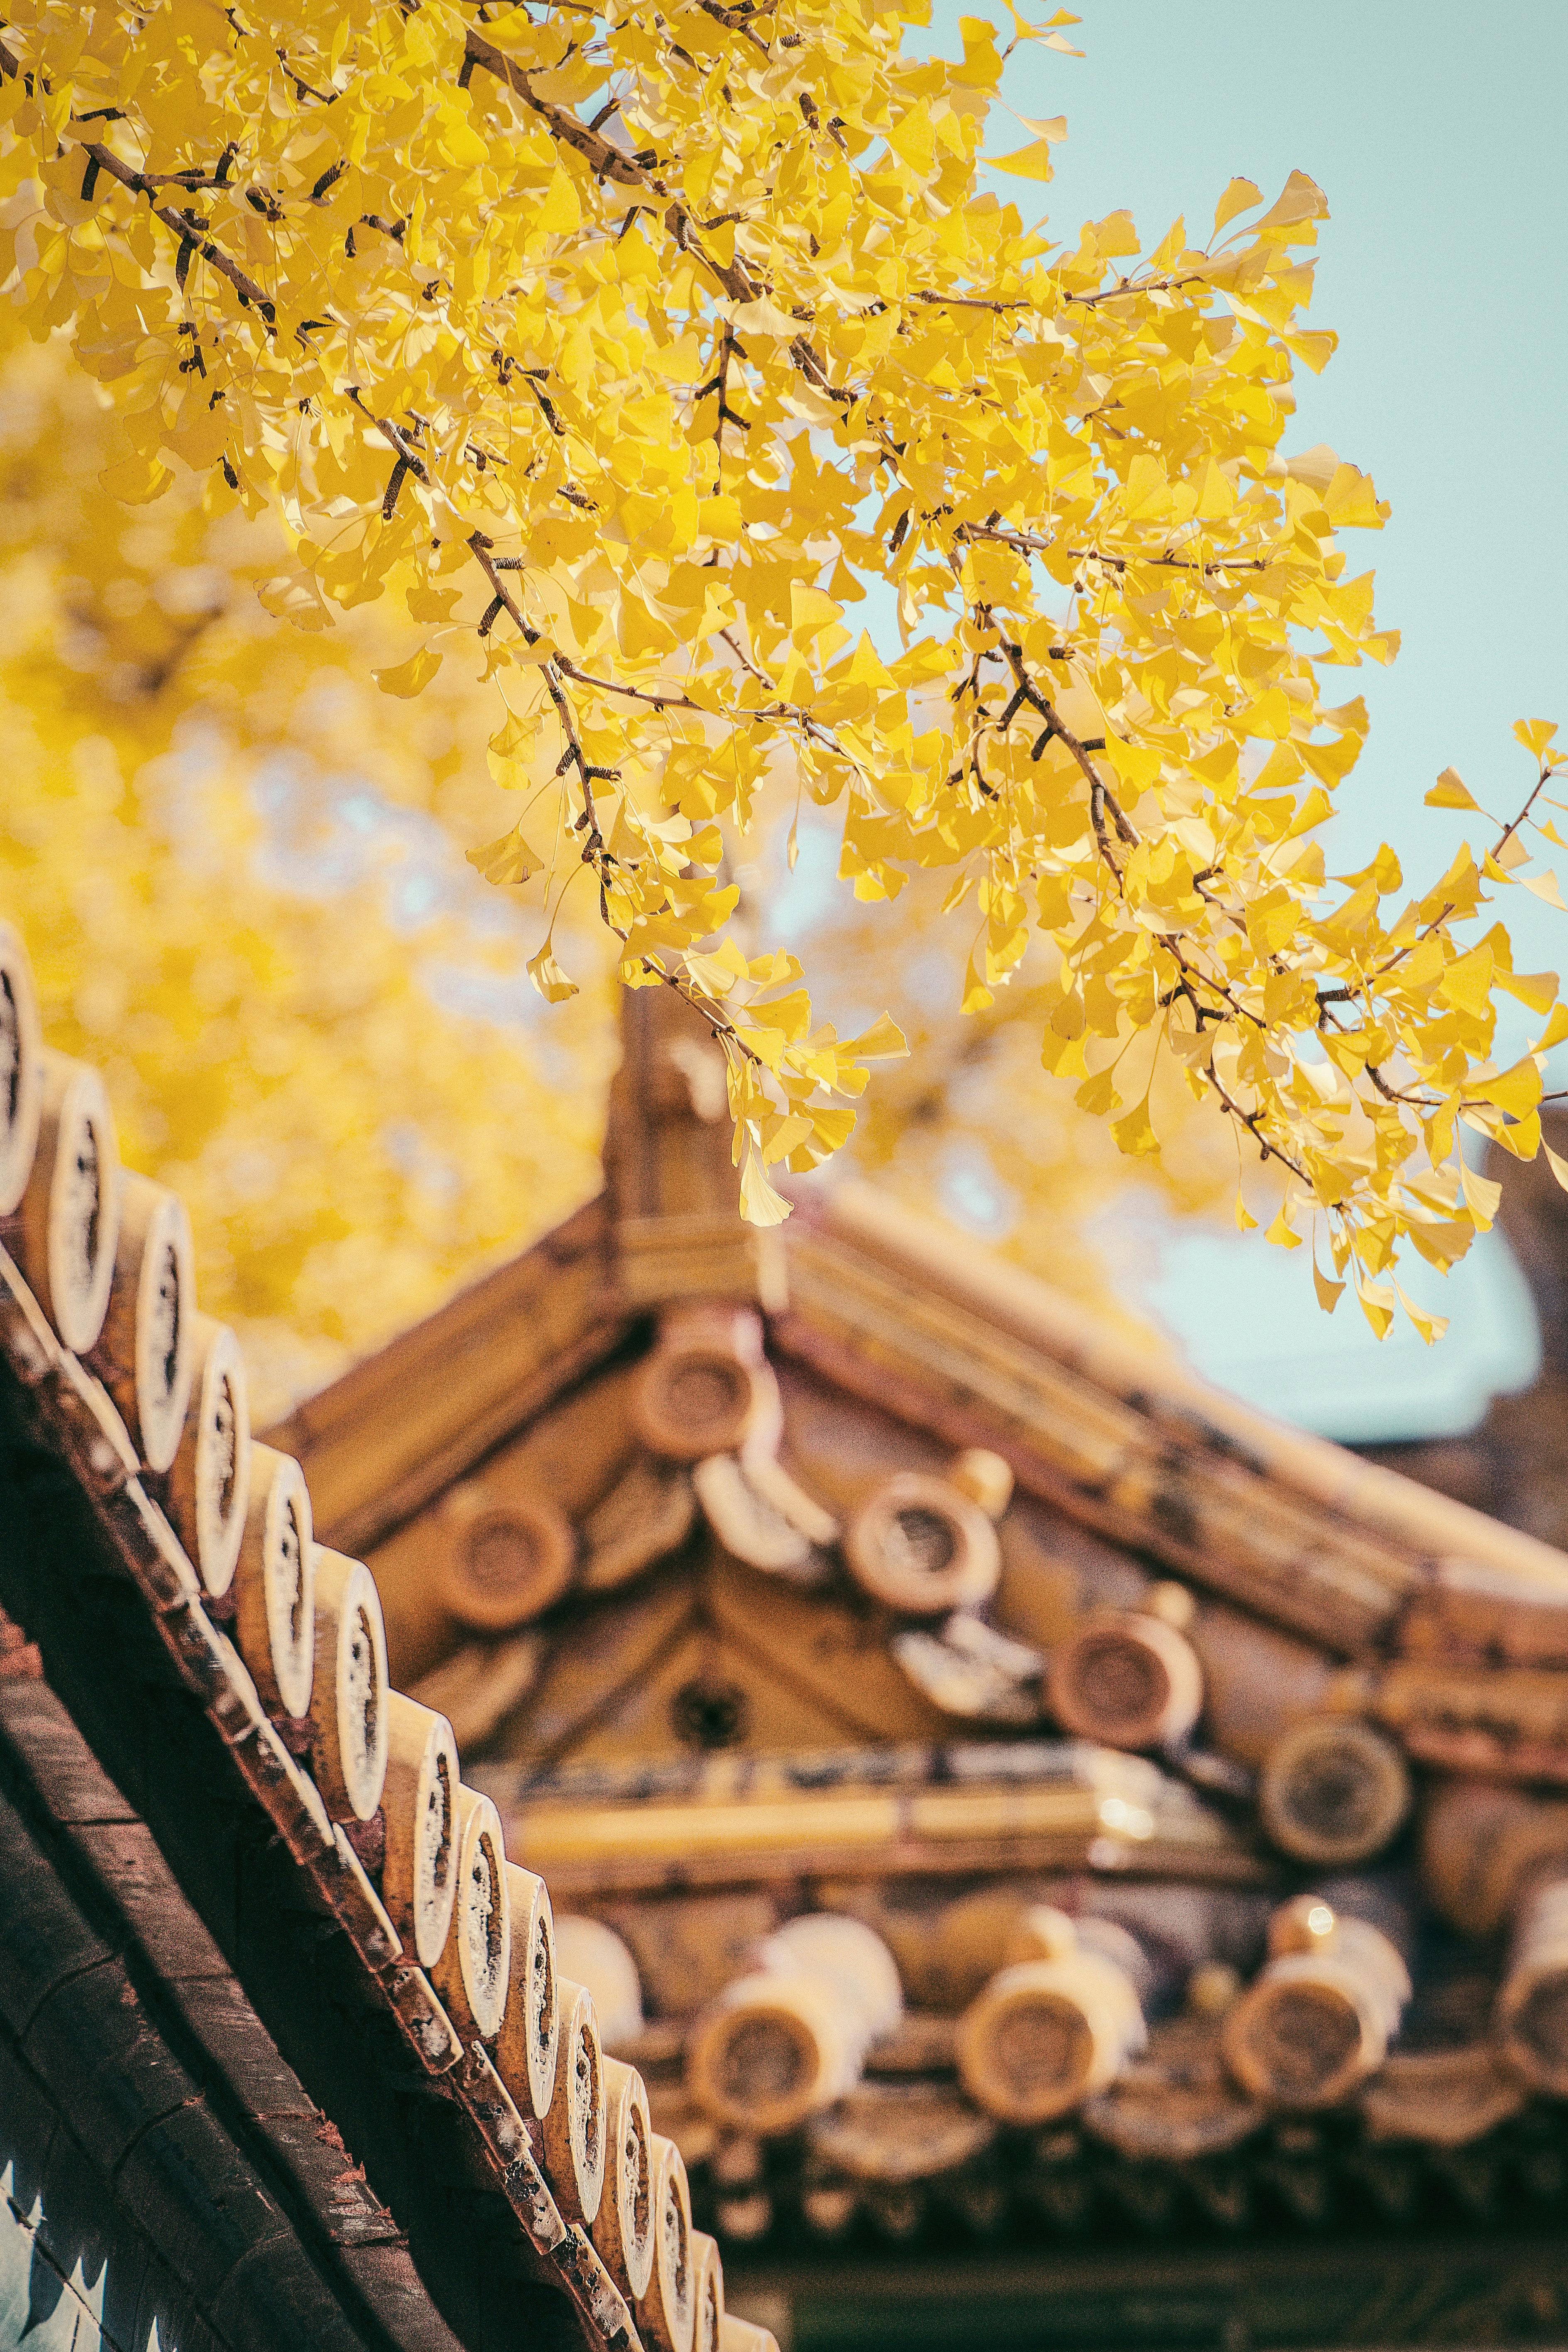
point(166, 2156)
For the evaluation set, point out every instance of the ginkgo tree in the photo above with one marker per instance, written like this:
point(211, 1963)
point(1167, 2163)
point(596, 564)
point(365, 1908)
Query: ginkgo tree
point(626, 345)
point(239, 866)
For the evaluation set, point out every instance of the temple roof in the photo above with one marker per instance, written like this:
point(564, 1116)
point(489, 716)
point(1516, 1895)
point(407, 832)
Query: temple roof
point(844, 1572)
point(990, 1780)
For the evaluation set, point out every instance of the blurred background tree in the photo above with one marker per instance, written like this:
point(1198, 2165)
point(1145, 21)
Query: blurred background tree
point(229, 855)
point(239, 868)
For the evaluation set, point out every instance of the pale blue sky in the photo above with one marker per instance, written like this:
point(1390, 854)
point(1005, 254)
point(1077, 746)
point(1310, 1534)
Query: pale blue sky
point(1436, 134)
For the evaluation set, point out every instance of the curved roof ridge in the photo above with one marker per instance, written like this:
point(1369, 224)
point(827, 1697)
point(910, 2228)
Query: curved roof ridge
point(932, 1255)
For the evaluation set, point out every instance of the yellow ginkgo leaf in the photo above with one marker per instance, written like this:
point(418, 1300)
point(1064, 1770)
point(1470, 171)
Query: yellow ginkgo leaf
point(1377, 1303)
point(294, 597)
point(1030, 162)
point(761, 1203)
point(1329, 1292)
point(1238, 197)
point(884, 1040)
point(1536, 988)
point(1135, 1132)
point(1467, 982)
point(1516, 1090)
point(1430, 1326)
point(1450, 790)
point(718, 973)
point(977, 997)
point(913, 138)
point(786, 1138)
point(1482, 1195)
point(505, 860)
point(559, 210)
point(547, 975)
point(811, 611)
point(765, 317)
point(409, 678)
point(1520, 1137)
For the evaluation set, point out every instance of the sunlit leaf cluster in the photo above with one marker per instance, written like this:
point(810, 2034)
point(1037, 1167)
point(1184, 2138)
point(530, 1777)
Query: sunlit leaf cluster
point(624, 345)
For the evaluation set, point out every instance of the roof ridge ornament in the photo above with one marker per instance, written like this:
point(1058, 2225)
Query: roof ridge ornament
point(674, 1189)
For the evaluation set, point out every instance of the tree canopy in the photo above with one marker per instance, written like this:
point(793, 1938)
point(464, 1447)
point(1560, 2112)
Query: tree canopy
point(628, 346)
point(238, 868)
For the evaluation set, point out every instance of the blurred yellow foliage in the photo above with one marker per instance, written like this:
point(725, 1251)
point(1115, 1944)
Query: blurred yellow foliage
point(202, 842)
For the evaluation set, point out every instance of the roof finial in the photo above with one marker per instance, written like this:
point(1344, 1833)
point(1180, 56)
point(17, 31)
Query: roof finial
point(674, 1190)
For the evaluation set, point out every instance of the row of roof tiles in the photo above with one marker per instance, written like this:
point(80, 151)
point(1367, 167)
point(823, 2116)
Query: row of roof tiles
point(283, 1641)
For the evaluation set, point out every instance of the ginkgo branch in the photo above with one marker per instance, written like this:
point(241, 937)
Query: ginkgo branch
point(192, 233)
point(1033, 543)
point(1509, 831)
